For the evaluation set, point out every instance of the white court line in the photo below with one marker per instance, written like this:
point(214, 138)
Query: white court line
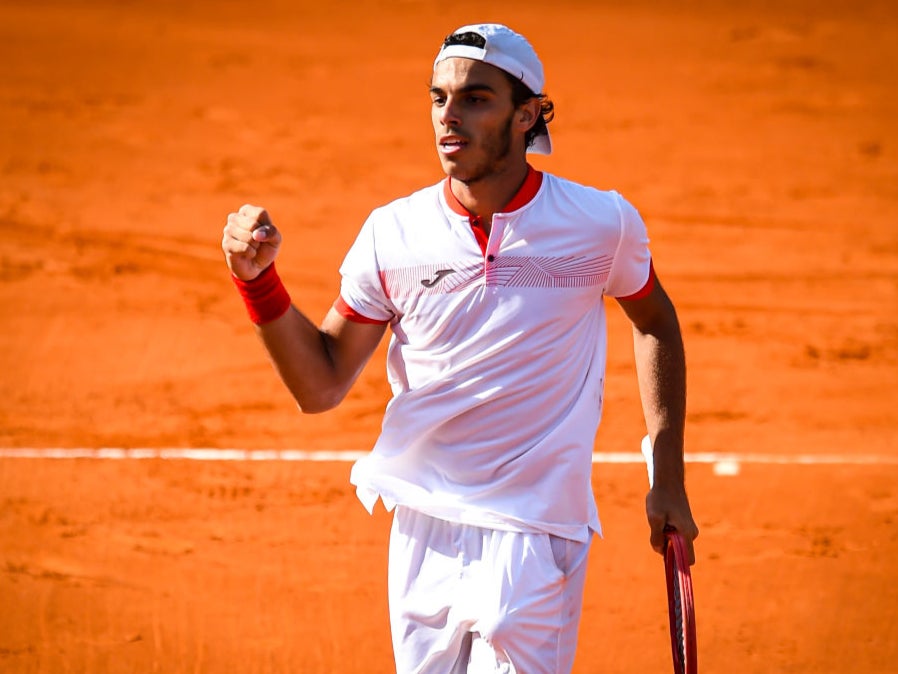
point(211, 454)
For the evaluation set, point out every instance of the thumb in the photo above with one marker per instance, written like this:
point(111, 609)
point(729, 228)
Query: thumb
point(657, 520)
point(269, 240)
point(656, 539)
point(267, 234)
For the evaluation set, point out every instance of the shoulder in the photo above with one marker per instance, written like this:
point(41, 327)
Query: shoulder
point(389, 226)
point(591, 202)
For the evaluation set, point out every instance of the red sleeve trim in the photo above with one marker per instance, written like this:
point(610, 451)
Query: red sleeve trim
point(351, 314)
point(646, 289)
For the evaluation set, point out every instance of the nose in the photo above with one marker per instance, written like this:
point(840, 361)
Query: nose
point(449, 114)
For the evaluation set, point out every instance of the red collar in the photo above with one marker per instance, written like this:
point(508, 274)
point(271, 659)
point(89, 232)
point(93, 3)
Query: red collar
point(528, 190)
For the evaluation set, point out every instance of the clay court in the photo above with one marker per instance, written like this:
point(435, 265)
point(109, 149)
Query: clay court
point(758, 140)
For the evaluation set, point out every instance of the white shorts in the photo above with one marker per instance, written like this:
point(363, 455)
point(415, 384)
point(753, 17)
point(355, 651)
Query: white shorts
point(464, 599)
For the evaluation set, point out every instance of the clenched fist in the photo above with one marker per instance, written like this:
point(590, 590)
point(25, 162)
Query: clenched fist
point(250, 242)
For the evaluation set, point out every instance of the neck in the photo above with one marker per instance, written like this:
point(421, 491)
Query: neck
point(490, 194)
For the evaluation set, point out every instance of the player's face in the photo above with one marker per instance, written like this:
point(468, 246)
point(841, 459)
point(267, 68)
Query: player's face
point(474, 120)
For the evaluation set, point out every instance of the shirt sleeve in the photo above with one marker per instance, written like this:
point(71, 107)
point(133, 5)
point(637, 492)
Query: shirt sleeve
point(362, 294)
point(631, 274)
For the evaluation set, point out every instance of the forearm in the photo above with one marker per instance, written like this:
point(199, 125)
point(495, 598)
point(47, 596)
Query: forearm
point(319, 364)
point(300, 353)
point(661, 372)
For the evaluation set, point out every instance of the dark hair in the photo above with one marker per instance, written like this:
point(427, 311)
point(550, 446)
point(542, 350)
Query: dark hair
point(520, 94)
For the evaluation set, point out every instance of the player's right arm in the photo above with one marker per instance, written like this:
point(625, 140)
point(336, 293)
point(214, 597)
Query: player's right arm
point(318, 365)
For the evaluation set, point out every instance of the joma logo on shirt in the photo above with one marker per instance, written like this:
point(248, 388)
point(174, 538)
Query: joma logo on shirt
point(437, 277)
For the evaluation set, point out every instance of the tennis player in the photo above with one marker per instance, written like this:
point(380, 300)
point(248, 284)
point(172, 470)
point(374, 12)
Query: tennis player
point(492, 284)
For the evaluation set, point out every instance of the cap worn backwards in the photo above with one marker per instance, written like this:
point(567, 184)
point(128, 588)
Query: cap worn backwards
point(505, 49)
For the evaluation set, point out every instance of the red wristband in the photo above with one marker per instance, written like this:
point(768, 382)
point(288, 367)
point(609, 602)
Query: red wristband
point(265, 297)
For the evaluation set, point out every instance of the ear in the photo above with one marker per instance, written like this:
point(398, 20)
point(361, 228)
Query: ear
point(527, 114)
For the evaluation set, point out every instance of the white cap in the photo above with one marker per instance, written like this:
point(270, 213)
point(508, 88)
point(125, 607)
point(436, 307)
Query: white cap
point(501, 47)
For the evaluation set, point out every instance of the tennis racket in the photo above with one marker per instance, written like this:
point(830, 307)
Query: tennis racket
point(680, 604)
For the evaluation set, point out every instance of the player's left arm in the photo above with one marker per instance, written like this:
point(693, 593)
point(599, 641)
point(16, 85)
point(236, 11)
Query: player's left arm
point(661, 373)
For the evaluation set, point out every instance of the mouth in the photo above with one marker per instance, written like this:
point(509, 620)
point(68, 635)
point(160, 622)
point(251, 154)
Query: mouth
point(451, 144)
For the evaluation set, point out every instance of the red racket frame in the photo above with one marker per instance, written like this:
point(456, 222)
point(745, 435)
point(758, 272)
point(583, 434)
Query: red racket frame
point(682, 613)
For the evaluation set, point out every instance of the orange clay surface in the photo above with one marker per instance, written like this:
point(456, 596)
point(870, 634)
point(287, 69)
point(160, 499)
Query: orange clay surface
point(759, 141)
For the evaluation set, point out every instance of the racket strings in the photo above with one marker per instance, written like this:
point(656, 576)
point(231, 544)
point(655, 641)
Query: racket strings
point(679, 617)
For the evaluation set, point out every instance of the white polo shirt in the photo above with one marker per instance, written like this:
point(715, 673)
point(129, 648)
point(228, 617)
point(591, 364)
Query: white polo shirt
point(497, 357)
